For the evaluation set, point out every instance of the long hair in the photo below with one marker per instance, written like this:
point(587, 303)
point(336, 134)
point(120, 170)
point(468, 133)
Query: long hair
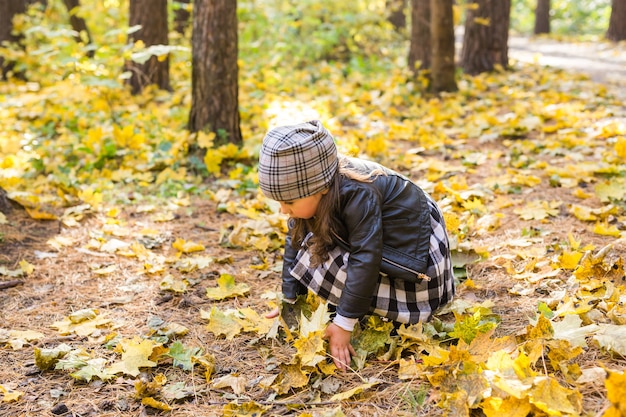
point(325, 224)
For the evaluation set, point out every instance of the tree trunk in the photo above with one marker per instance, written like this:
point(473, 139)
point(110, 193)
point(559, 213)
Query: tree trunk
point(78, 24)
point(396, 15)
point(151, 15)
point(182, 16)
point(420, 46)
point(214, 74)
point(8, 9)
point(617, 22)
point(542, 17)
point(485, 43)
point(442, 36)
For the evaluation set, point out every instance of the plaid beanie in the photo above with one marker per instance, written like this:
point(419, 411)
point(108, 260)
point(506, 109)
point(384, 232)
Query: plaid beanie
point(297, 161)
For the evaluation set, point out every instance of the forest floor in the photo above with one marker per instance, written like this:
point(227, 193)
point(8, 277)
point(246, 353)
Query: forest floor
point(64, 281)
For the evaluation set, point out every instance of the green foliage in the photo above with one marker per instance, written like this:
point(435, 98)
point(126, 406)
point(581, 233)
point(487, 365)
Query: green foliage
point(415, 399)
point(567, 18)
point(287, 34)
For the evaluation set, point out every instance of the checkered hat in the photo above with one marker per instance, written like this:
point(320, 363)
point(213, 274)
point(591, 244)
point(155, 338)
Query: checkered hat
point(297, 161)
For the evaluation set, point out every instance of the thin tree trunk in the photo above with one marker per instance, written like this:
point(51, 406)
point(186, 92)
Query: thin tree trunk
point(442, 36)
point(396, 15)
point(501, 12)
point(420, 50)
point(8, 9)
point(214, 79)
point(617, 21)
point(78, 24)
point(151, 15)
point(485, 43)
point(542, 17)
point(182, 16)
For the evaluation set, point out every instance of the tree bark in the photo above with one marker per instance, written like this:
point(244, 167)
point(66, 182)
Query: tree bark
point(485, 43)
point(214, 74)
point(420, 50)
point(542, 17)
point(442, 36)
point(8, 9)
point(182, 17)
point(396, 15)
point(78, 24)
point(151, 15)
point(617, 21)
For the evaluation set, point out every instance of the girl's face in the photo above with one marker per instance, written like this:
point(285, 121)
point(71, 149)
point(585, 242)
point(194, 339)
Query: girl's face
point(302, 208)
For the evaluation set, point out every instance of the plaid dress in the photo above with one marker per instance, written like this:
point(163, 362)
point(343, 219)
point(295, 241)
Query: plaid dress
point(395, 299)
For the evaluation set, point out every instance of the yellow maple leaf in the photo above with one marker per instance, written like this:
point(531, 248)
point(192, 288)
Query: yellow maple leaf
point(81, 327)
point(227, 288)
point(135, 354)
point(254, 322)
point(554, 399)
point(89, 196)
point(538, 210)
point(205, 140)
point(221, 323)
point(583, 213)
point(542, 329)
point(615, 188)
point(187, 246)
point(291, 376)
point(235, 382)
point(620, 147)
point(213, 161)
point(485, 21)
point(27, 267)
point(169, 283)
point(9, 395)
point(616, 393)
point(603, 228)
point(582, 194)
point(527, 180)
point(505, 375)
point(311, 349)
point(19, 338)
point(569, 259)
point(39, 214)
point(156, 404)
point(354, 391)
point(246, 409)
point(509, 407)
point(475, 205)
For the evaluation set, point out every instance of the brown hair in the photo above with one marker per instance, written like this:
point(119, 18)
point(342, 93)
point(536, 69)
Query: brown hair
point(324, 225)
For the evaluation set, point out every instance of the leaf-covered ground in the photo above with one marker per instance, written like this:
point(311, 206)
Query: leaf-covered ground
point(141, 286)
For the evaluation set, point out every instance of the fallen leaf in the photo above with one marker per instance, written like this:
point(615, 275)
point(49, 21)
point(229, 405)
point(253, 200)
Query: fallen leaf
point(135, 354)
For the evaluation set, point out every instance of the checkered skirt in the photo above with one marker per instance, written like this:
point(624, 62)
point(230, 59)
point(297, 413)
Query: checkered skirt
point(398, 300)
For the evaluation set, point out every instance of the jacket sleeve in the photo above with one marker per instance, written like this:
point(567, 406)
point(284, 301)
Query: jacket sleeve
point(362, 216)
point(291, 287)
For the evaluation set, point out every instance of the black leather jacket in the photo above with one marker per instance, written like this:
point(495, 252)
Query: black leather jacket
point(386, 228)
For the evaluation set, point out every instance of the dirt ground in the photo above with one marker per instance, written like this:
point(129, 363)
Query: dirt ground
point(63, 282)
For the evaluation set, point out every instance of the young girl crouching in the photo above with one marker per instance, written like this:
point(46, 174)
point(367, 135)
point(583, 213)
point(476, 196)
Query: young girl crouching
point(361, 236)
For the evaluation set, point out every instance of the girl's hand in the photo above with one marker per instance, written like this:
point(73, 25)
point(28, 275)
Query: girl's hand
point(339, 344)
point(273, 313)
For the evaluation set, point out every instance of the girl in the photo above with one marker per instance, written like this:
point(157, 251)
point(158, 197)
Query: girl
point(361, 236)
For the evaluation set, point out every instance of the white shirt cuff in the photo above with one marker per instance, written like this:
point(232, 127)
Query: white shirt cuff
point(345, 322)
